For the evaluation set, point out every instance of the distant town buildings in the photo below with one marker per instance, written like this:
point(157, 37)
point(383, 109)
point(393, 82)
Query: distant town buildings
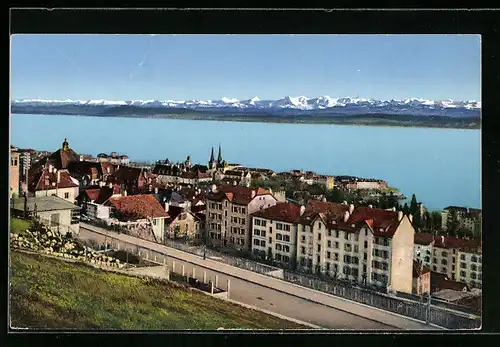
point(468, 218)
point(114, 158)
point(353, 183)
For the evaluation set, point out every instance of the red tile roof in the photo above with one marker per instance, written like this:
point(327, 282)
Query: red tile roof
point(236, 194)
point(423, 238)
point(93, 193)
point(441, 281)
point(327, 211)
point(451, 242)
point(382, 222)
point(137, 207)
point(62, 158)
point(48, 180)
point(105, 193)
point(282, 211)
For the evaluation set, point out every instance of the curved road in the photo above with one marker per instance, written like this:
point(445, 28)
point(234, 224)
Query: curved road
point(262, 296)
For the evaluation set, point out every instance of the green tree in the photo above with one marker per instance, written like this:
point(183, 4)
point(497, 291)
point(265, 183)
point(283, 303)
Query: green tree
point(436, 220)
point(453, 224)
point(406, 209)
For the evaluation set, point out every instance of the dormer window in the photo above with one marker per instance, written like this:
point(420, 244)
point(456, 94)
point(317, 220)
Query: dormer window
point(353, 225)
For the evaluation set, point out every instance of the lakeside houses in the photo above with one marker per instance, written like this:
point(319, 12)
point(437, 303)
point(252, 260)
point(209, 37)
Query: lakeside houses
point(14, 172)
point(458, 259)
point(53, 211)
point(181, 173)
point(130, 179)
point(141, 215)
point(357, 183)
point(468, 218)
point(229, 210)
point(310, 178)
point(281, 245)
point(240, 177)
point(53, 182)
point(113, 158)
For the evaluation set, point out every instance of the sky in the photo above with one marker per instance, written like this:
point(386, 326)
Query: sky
point(209, 67)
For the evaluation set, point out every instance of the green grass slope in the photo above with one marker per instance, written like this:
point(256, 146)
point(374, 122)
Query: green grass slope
point(55, 294)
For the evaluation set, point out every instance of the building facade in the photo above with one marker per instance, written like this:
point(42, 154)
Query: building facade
point(274, 233)
point(53, 182)
point(364, 245)
point(228, 214)
point(14, 172)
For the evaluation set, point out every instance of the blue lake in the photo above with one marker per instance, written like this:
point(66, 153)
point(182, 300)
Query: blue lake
point(441, 166)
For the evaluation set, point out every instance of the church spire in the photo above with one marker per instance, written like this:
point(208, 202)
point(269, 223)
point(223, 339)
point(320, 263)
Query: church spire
point(219, 157)
point(212, 158)
point(65, 145)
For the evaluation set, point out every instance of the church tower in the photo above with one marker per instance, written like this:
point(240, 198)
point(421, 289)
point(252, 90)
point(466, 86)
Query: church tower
point(211, 162)
point(219, 158)
point(65, 145)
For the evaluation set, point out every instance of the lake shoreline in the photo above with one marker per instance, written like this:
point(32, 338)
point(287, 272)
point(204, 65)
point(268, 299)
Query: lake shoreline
point(354, 121)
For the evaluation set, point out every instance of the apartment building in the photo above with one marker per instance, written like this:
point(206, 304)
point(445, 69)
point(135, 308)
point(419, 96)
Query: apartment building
point(459, 259)
point(274, 234)
point(229, 210)
point(14, 172)
point(468, 218)
point(364, 245)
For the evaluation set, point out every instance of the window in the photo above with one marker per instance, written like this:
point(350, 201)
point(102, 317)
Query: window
point(462, 257)
point(434, 260)
point(263, 233)
point(473, 267)
point(473, 259)
point(328, 267)
point(355, 248)
point(337, 234)
point(279, 226)
point(319, 248)
point(356, 237)
point(473, 275)
point(365, 256)
point(286, 227)
point(257, 222)
point(480, 277)
point(462, 273)
point(328, 255)
point(319, 237)
point(263, 223)
point(303, 238)
point(256, 232)
point(453, 268)
point(318, 259)
point(444, 262)
point(303, 250)
point(453, 260)
point(480, 260)
point(66, 195)
point(444, 254)
point(366, 232)
point(286, 238)
point(329, 233)
point(434, 268)
point(346, 236)
point(243, 210)
point(445, 270)
point(256, 242)
point(286, 248)
point(279, 237)
point(336, 244)
point(463, 265)
point(270, 239)
point(243, 221)
point(366, 244)
point(329, 244)
point(278, 247)
point(225, 213)
point(278, 257)
point(319, 225)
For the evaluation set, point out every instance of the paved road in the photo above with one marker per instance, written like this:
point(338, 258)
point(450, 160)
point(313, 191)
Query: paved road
point(273, 294)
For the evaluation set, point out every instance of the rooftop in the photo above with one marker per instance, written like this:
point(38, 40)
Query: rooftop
point(44, 203)
point(137, 206)
point(282, 211)
point(450, 295)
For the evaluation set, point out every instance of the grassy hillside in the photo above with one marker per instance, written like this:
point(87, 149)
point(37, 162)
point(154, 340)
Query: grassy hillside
point(51, 293)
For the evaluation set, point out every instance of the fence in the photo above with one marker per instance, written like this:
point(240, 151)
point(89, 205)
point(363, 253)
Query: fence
point(410, 308)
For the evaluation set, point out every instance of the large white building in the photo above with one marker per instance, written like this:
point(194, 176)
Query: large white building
point(365, 245)
point(229, 210)
point(274, 234)
point(459, 259)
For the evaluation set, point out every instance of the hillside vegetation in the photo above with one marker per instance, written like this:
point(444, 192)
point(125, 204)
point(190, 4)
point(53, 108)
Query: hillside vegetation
point(56, 294)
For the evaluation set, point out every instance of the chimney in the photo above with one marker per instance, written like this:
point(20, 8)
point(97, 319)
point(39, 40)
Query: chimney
point(125, 193)
point(156, 190)
point(253, 193)
point(400, 215)
point(351, 208)
point(235, 183)
point(442, 239)
point(110, 185)
point(346, 216)
point(370, 206)
point(58, 177)
point(167, 207)
point(214, 188)
point(302, 209)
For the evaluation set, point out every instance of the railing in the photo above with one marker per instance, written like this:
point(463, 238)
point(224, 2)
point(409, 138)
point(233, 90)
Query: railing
point(419, 310)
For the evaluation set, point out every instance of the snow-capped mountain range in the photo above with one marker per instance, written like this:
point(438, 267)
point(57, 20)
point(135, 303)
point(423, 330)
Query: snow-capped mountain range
point(323, 105)
point(299, 103)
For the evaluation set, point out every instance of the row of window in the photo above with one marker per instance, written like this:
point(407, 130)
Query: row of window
point(237, 209)
point(380, 253)
point(285, 238)
point(215, 206)
point(280, 226)
point(215, 216)
point(259, 222)
point(238, 231)
point(238, 220)
point(258, 232)
point(381, 265)
point(379, 277)
point(282, 248)
point(239, 241)
point(261, 243)
point(215, 226)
